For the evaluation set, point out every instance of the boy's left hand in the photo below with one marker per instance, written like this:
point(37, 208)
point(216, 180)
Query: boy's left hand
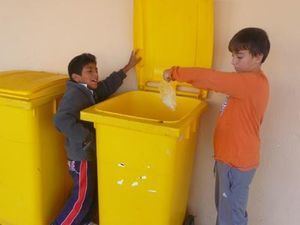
point(133, 60)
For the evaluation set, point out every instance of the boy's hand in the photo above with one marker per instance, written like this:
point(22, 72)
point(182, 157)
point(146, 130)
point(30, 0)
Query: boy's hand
point(134, 59)
point(167, 75)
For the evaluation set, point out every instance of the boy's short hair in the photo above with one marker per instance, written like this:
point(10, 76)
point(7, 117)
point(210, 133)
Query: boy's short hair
point(78, 62)
point(253, 39)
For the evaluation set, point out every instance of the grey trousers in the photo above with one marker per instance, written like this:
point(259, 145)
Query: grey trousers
point(231, 194)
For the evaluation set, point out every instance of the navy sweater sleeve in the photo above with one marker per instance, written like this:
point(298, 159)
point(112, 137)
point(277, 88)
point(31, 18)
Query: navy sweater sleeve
point(67, 118)
point(109, 85)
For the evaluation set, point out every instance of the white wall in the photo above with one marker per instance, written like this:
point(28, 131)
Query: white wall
point(45, 35)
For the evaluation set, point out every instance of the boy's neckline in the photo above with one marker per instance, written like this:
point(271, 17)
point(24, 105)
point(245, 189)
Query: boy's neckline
point(85, 85)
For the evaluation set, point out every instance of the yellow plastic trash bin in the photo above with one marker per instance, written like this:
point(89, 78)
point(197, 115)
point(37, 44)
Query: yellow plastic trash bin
point(33, 181)
point(145, 151)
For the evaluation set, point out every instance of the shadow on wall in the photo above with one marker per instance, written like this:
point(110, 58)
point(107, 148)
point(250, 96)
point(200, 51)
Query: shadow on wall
point(201, 201)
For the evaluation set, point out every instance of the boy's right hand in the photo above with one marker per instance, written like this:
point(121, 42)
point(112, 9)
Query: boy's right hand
point(133, 60)
point(167, 75)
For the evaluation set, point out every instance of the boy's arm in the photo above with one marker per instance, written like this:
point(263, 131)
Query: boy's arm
point(67, 120)
point(233, 84)
point(108, 86)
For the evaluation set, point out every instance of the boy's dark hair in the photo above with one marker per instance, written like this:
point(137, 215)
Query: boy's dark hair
point(253, 39)
point(78, 62)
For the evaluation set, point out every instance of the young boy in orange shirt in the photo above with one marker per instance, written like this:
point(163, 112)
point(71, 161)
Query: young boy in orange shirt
point(236, 138)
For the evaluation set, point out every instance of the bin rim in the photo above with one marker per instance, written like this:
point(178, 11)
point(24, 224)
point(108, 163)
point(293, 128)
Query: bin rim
point(96, 109)
point(173, 128)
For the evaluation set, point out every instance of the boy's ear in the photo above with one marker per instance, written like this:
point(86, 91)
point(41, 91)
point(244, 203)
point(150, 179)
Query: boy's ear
point(76, 77)
point(259, 57)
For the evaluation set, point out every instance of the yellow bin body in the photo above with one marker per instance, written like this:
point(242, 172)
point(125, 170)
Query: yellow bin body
point(145, 150)
point(33, 181)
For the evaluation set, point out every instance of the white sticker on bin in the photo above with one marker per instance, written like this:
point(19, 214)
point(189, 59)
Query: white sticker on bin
point(134, 184)
point(143, 177)
point(121, 164)
point(120, 182)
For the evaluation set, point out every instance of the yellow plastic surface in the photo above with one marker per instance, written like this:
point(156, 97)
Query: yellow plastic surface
point(29, 84)
point(144, 111)
point(135, 104)
point(172, 33)
point(145, 151)
point(33, 181)
point(145, 157)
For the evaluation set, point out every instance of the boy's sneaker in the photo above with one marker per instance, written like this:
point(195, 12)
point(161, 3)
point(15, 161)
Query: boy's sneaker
point(90, 223)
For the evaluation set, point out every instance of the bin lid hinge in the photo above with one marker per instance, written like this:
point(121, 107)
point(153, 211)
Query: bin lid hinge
point(181, 89)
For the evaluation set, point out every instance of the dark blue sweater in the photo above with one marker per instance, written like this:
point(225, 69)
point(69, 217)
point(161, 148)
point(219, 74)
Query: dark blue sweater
point(80, 135)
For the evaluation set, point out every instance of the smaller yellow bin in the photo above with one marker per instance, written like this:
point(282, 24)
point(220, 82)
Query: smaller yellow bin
point(33, 181)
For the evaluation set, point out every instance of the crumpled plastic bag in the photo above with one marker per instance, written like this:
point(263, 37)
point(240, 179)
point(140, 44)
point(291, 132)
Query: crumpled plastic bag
point(167, 94)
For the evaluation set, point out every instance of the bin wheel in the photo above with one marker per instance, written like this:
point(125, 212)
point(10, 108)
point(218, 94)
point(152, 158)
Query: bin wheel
point(189, 220)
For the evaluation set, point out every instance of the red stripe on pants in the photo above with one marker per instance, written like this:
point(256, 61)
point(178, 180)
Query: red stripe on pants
point(81, 195)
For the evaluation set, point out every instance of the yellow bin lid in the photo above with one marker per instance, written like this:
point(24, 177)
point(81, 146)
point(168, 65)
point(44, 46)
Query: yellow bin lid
point(172, 33)
point(29, 85)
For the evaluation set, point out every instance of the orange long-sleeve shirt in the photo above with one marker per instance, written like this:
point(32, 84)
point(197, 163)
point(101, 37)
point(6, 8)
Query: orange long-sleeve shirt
point(236, 138)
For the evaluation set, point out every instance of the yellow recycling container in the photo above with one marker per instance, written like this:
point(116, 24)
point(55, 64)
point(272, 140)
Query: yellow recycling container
point(33, 181)
point(145, 151)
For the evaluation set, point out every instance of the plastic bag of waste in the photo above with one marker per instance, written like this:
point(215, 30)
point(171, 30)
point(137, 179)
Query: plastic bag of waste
point(168, 94)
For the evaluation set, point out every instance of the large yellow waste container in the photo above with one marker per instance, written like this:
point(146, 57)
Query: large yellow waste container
point(145, 151)
point(33, 181)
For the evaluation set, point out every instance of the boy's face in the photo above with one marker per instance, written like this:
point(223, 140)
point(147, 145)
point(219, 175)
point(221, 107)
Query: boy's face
point(243, 61)
point(89, 76)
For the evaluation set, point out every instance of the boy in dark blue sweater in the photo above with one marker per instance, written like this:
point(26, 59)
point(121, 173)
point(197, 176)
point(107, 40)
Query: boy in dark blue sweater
point(83, 90)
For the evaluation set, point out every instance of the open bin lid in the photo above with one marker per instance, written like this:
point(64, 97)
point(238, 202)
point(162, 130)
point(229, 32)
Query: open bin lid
point(29, 85)
point(172, 33)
